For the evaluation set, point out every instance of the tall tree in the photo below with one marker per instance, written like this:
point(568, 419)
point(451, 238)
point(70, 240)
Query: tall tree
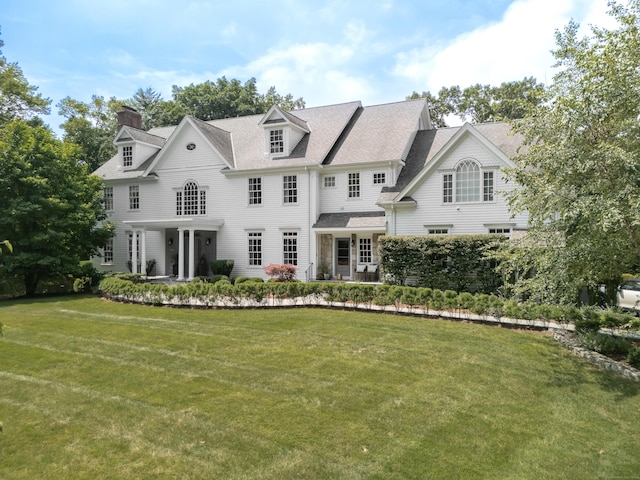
point(228, 98)
point(91, 126)
point(579, 173)
point(484, 103)
point(51, 208)
point(18, 99)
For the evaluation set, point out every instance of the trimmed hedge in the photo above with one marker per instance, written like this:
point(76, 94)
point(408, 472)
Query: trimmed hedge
point(251, 294)
point(456, 262)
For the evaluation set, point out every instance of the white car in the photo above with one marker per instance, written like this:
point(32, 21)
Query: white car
point(629, 295)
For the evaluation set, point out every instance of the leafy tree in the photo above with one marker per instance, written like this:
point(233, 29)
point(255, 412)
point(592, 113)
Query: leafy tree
point(155, 111)
point(91, 126)
point(18, 99)
point(228, 98)
point(484, 103)
point(580, 169)
point(51, 208)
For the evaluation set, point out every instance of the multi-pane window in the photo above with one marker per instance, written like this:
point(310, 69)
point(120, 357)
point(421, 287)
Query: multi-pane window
point(379, 178)
point(470, 182)
point(364, 253)
point(127, 156)
point(191, 200)
point(290, 247)
point(290, 188)
point(137, 237)
point(438, 231)
point(255, 248)
point(255, 191)
point(108, 198)
point(134, 197)
point(329, 181)
point(500, 230)
point(447, 188)
point(276, 141)
point(108, 251)
point(354, 185)
point(487, 186)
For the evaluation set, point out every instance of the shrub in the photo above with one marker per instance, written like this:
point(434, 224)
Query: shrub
point(633, 357)
point(587, 325)
point(82, 285)
point(216, 278)
point(222, 267)
point(282, 272)
point(604, 344)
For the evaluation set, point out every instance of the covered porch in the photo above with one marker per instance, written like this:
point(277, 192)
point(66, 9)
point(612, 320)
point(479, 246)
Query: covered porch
point(182, 246)
point(347, 245)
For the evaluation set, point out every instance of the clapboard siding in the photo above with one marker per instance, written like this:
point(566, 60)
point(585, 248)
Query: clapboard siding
point(466, 218)
point(336, 199)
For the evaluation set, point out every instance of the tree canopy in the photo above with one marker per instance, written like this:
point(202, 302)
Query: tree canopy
point(484, 103)
point(50, 205)
point(18, 99)
point(580, 167)
point(92, 125)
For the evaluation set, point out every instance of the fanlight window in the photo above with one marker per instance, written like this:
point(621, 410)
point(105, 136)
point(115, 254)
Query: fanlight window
point(469, 183)
point(191, 200)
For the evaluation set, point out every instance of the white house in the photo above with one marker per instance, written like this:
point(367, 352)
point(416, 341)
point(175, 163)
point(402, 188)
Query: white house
point(309, 187)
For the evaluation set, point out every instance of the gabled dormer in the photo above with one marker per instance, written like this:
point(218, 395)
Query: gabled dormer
point(282, 132)
point(135, 146)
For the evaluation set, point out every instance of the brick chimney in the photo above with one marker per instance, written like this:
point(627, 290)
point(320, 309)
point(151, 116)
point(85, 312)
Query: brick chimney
point(130, 117)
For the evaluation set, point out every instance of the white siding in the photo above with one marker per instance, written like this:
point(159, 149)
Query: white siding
point(466, 218)
point(336, 199)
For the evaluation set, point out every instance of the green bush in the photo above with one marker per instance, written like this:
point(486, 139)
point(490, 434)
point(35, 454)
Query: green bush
point(633, 357)
point(82, 285)
point(221, 267)
point(217, 277)
point(604, 344)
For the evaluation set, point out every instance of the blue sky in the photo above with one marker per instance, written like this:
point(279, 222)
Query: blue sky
point(324, 51)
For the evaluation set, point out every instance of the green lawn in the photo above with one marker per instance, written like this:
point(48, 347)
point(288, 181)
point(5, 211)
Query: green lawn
point(99, 390)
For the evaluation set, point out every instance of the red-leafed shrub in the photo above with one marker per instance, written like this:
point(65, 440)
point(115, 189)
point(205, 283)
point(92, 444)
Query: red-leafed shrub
point(281, 272)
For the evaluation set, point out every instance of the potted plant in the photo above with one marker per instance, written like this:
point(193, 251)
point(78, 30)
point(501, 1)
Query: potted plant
point(324, 272)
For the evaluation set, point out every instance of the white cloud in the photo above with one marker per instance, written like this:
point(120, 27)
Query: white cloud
point(517, 46)
point(316, 71)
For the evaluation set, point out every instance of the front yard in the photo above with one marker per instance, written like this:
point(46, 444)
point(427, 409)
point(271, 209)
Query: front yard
point(95, 389)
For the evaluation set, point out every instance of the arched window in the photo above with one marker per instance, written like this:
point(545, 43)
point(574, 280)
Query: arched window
point(191, 200)
point(468, 183)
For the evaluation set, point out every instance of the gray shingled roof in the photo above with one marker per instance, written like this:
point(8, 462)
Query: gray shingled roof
point(219, 138)
point(351, 220)
point(144, 137)
point(428, 143)
point(381, 133)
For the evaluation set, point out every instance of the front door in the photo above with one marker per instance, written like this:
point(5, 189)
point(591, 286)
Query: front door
point(343, 257)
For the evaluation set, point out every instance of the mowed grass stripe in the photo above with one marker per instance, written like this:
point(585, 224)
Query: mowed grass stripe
point(305, 393)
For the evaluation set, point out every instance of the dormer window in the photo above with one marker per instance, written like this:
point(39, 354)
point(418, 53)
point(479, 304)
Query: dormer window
point(127, 156)
point(276, 141)
point(282, 132)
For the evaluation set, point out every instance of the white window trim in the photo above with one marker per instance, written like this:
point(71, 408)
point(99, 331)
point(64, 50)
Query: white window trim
point(324, 186)
point(448, 227)
point(454, 172)
point(261, 203)
point(131, 146)
point(373, 179)
point(359, 187)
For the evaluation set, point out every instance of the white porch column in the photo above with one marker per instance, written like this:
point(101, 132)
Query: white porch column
point(143, 252)
point(180, 253)
point(192, 252)
point(134, 251)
